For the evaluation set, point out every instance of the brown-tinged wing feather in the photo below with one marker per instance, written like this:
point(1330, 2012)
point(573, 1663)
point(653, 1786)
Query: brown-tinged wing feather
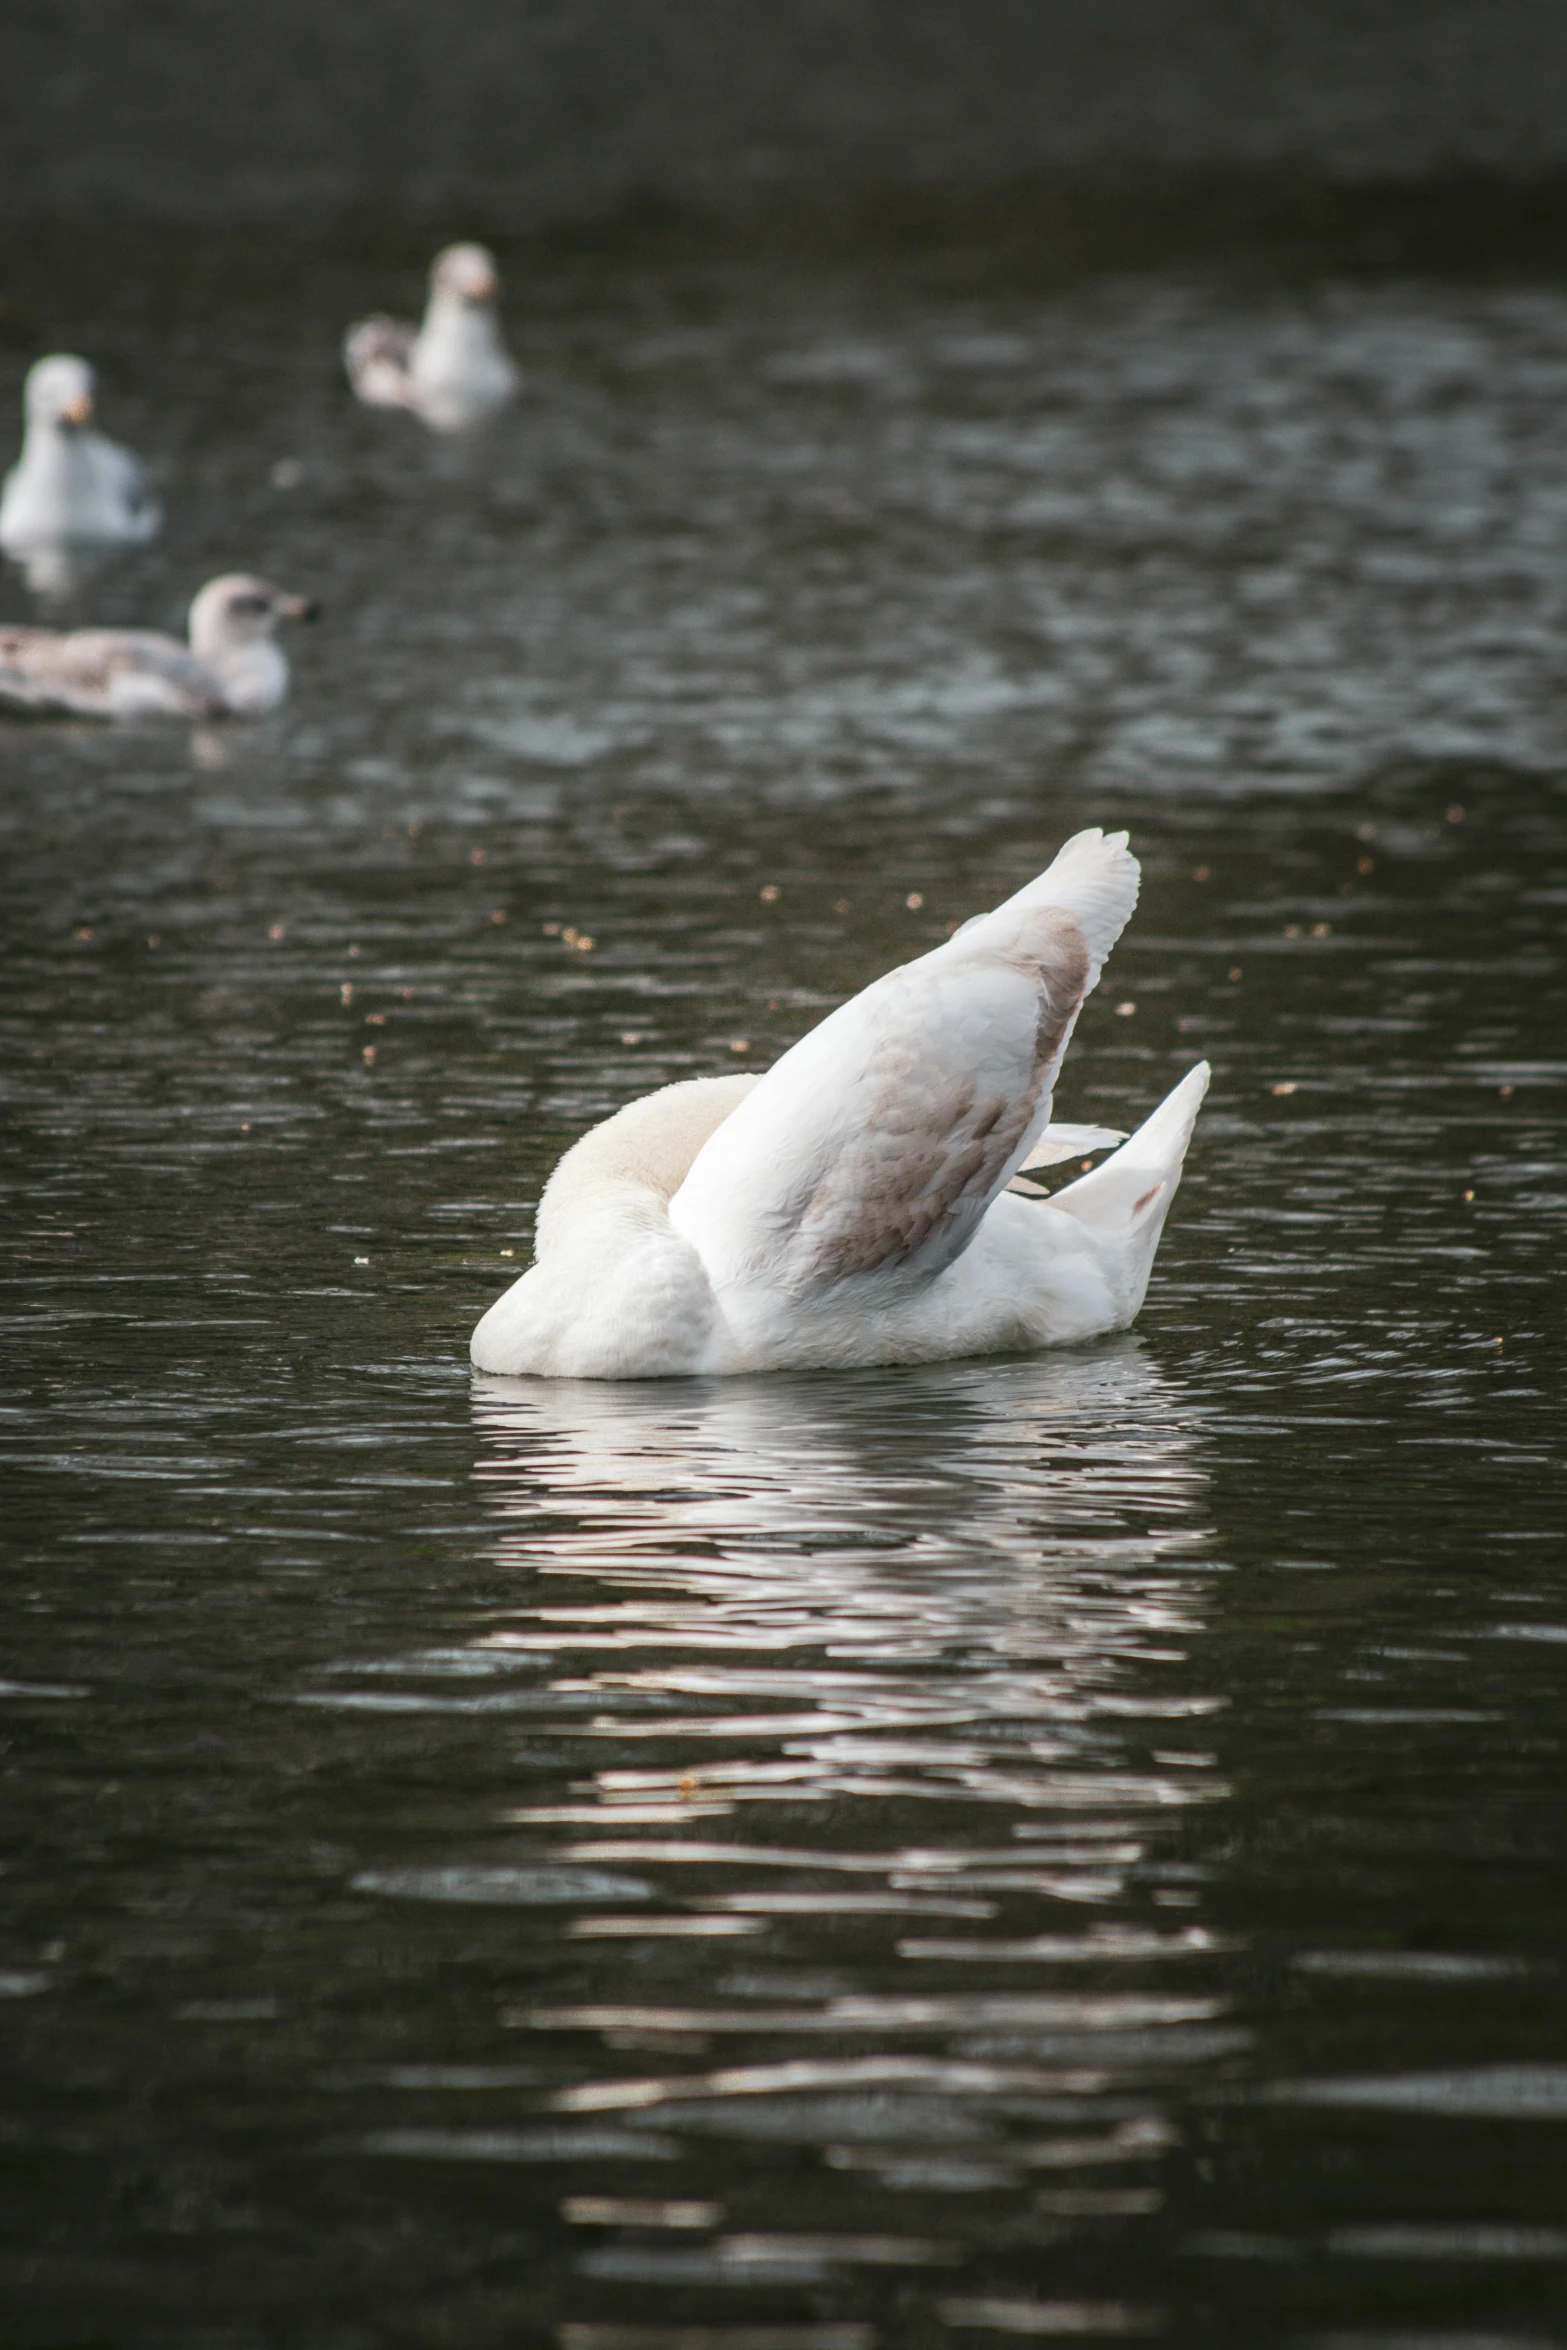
point(876, 1144)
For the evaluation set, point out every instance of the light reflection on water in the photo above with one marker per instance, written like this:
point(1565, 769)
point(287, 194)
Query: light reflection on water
point(908, 1658)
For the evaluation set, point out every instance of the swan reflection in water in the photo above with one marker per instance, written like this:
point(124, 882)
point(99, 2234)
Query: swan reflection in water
point(861, 1730)
point(1043, 1508)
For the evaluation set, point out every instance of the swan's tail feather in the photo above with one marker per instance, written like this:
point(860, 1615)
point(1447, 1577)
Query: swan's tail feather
point(1124, 1202)
point(1140, 1178)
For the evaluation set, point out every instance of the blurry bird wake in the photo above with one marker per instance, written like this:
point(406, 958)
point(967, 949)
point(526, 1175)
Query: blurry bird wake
point(854, 1205)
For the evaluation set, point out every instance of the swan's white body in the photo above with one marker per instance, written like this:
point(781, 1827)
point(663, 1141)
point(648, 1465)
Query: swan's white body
point(232, 666)
point(455, 370)
point(853, 1206)
point(70, 485)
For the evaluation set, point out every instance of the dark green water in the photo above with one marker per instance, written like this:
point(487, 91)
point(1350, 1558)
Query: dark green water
point(1044, 1849)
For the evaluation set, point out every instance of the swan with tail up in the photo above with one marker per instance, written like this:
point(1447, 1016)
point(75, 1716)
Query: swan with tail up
point(859, 1203)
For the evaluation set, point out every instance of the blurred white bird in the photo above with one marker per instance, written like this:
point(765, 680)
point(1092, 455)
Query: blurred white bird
point(857, 1204)
point(232, 666)
point(455, 369)
point(71, 486)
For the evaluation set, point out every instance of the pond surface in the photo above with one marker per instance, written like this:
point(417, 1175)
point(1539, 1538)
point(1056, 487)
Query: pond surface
point(1015, 1849)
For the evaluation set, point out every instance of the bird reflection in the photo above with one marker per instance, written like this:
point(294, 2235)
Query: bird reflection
point(948, 1463)
point(56, 570)
point(893, 1677)
point(938, 1580)
point(858, 1721)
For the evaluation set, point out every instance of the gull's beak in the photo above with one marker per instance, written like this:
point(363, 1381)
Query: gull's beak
point(297, 608)
point(77, 411)
point(483, 288)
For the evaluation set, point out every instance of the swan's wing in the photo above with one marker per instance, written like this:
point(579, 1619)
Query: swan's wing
point(103, 673)
point(377, 354)
point(879, 1140)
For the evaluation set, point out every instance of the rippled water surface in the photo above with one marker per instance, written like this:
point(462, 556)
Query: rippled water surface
point(1017, 1849)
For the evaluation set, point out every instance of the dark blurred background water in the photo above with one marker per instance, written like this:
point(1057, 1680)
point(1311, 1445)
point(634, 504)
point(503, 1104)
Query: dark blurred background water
point(1002, 1851)
point(206, 110)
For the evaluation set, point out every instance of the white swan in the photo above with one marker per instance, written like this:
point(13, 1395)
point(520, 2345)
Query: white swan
point(855, 1204)
point(232, 666)
point(70, 484)
point(454, 370)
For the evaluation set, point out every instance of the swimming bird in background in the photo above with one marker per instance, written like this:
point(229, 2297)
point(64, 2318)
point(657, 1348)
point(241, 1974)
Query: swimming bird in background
point(453, 370)
point(232, 667)
point(858, 1204)
point(71, 486)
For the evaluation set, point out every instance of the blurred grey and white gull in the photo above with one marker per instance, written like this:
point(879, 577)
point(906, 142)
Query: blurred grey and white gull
point(71, 485)
point(232, 666)
point(453, 370)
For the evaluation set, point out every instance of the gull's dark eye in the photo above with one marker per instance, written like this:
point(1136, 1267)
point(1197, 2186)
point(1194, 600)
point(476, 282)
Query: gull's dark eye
point(249, 607)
